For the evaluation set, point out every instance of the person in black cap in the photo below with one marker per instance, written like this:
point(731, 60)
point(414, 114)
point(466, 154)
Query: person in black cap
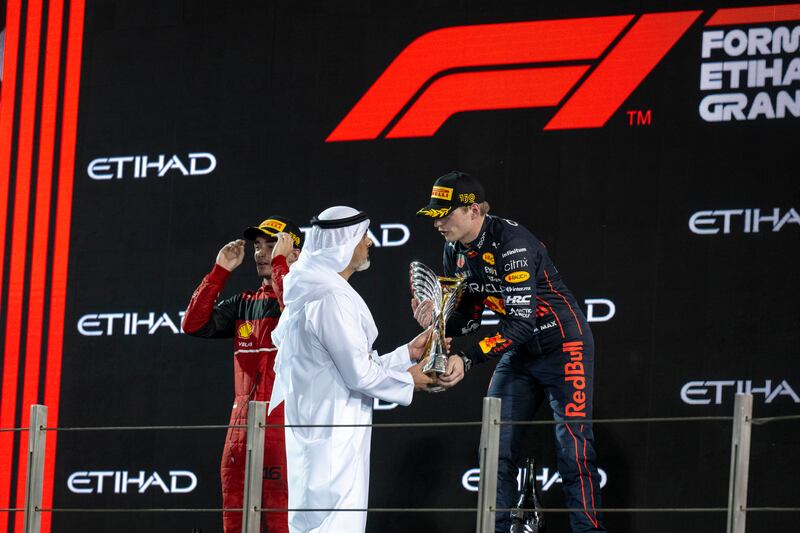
point(543, 340)
point(250, 317)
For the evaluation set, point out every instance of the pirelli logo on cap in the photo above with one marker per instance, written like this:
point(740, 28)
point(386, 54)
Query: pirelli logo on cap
point(273, 224)
point(442, 193)
point(517, 277)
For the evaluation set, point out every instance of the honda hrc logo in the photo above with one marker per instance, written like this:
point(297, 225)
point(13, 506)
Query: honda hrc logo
point(586, 66)
point(518, 300)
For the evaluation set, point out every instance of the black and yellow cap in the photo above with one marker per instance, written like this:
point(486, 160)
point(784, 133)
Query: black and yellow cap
point(454, 189)
point(272, 226)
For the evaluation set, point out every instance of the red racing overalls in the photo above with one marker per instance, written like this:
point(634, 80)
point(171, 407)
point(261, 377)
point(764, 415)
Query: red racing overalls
point(249, 318)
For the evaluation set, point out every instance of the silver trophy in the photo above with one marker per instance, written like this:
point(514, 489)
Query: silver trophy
point(445, 294)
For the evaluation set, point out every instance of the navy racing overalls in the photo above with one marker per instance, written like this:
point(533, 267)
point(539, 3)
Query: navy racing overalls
point(546, 353)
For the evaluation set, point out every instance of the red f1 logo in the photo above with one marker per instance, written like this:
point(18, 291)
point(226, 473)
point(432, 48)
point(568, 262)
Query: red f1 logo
point(523, 65)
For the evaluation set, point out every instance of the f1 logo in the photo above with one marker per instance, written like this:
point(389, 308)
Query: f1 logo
point(597, 61)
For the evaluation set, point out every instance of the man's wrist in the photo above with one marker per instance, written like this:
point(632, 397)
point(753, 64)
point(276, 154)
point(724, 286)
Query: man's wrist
point(219, 273)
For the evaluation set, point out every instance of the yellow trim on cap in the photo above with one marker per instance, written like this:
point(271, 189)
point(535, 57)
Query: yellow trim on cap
point(435, 213)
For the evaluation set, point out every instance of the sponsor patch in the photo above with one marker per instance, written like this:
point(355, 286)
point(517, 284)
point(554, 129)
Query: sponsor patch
point(273, 224)
point(488, 257)
point(513, 251)
point(460, 260)
point(442, 193)
point(245, 330)
point(517, 277)
point(518, 300)
point(490, 342)
point(495, 304)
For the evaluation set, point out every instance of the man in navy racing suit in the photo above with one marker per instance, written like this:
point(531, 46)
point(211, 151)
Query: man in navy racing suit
point(544, 343)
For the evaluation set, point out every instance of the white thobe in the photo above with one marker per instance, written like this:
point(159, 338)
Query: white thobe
point(327, 373)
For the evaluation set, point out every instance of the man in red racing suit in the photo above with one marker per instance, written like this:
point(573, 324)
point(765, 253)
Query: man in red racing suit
point(250, 317)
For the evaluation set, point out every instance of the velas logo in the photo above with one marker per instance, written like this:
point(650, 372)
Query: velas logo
point(517, 277)
point(442, 193)
point(143, 166)
point(271, 223)
point(592, 65)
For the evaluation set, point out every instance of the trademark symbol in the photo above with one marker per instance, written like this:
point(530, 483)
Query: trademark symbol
point(638, 117)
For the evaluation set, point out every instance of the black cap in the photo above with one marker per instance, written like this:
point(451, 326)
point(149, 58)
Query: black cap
point(454, 189)
point(272, 226)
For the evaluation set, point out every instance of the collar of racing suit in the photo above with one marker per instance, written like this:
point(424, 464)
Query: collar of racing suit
point(480, 240)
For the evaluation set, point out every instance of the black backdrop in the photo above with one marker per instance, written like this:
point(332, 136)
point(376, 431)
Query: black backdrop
point(260, 87)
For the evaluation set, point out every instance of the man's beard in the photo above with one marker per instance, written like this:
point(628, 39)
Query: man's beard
point(363, 266)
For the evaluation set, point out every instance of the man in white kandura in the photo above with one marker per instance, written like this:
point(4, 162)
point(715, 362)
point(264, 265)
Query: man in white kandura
point(327, 373)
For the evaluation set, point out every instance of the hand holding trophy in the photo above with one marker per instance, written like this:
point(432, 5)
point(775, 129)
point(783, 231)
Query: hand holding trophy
point(444, 293)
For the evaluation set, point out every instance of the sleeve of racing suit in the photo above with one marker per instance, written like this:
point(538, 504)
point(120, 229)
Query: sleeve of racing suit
point(517, 273)
point(280, 267)
point(205, 319)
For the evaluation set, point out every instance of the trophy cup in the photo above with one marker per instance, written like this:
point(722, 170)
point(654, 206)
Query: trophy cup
point(445, 294)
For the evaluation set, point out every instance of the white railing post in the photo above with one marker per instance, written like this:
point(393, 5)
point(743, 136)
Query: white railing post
point(740, 463)
point(489, 454)
point(254, 467)
point(35, 474)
